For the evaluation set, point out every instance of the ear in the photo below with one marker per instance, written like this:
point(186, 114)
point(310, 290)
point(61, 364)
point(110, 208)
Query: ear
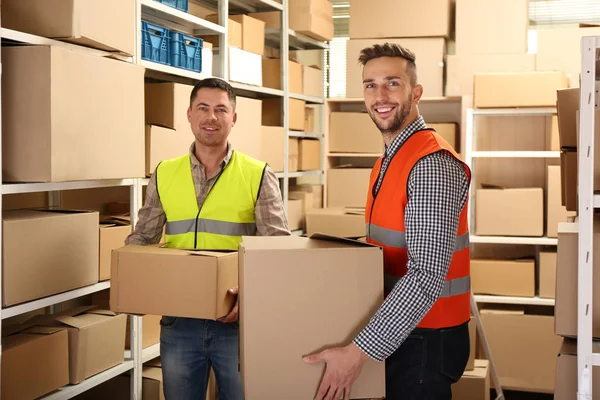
point(234, 118)
point(417, 92)
point(189, 114)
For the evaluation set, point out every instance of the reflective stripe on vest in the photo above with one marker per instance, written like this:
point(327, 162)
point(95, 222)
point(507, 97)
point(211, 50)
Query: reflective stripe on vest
point(453, 287)
point(211, 226)
point(397, 239)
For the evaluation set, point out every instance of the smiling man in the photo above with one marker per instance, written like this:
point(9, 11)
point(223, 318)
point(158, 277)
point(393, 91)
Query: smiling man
point(417, 212)
point(208, 199)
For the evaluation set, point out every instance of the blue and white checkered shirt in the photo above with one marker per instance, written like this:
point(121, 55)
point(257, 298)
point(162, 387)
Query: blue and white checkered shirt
point(437, 191)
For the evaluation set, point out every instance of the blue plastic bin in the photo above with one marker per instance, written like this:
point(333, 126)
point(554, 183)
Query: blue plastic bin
point(186, 52)
point(178, 4)
point(155, 43)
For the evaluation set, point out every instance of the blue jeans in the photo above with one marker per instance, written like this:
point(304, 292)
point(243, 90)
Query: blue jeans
point(189, 347)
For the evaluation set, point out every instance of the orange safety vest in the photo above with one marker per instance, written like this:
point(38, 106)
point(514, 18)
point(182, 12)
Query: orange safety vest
point(384, 217)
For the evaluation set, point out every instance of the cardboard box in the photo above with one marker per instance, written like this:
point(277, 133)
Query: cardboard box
point(273, 140)
point(272, 112)
point(430, 60)
point(35, 361)
point(245, 135)
point(408, 23)
point(473, 344)
point(244, 67)
point(110, 111)
point(503, 277)
point(164, 144)
point(547, 263)
point(538, 89)
point(166, 105)
point(295, 214)
point(568, 172)
point(312, 81)
point(234, 32)
point(313, 195)
point(509, 212)
point(554, 135)
point(310, 58)
point(348, 187)
point(271, 75)
point(112, 236)
point(474, 384)
point(65, 256)
point(460, 70)
point(567, 105)
point(253, 33)
point(565, 310)
point(336, 222)
point(354, 132)
point(309, 154)
point(448, 131)
point(478, 30)
point(566, 371)
point(194, 285)
point(82, 22)
point(24, 200)
point(555, 211)
point(280, 274)
point(524, 349)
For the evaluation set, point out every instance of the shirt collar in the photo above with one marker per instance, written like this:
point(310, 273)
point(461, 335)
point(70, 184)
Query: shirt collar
point(417, 125)
point(196, 163)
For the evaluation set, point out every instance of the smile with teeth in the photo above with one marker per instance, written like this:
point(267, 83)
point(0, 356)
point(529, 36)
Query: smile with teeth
point(384, 110)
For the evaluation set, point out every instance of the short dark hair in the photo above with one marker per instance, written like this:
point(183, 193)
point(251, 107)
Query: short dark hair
point(213, 83)
point(391, 50)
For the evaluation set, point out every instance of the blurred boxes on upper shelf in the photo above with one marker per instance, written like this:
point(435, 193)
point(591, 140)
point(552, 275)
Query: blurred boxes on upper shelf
point(35, 361)
point(547, 274)
point(566, 371)
point(312, 81)
point(272, 112)
point(246, 134)
point(175, 282)
point(503, 277)
point(164, 144)
point(430, 58)
point(364, 24)
point(309, 154)
point(555, 211)
point(103, 24)
point(354, 132)
point(234, 32)
point(537, 89)
point(65, 257)
point(244, 67)
point(294, 276)
point(489, 27)
point(245, 32)
point(335, 221)
point(271, 75)
point(509, 211)
point(449, 132)
point(75, 134)
point(348, 187)
point(272, 143)
point(474, 384)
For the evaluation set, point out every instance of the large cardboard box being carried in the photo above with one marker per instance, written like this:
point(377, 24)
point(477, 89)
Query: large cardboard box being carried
point(75, 134)
point(65, 256)
point(364, 23)
point(102, 24)
point(354, 132)
point(304, 281)
point(35, 361)
point(566, 371)
point(430, 54)
point(474, 384)
point(165, 281)
point(348, 187)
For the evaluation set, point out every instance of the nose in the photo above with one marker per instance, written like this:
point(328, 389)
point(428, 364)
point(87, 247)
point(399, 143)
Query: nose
point(381, 93)
point(212, 115)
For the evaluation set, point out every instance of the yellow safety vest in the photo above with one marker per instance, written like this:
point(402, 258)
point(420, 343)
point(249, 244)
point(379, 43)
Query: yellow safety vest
point(228, 210)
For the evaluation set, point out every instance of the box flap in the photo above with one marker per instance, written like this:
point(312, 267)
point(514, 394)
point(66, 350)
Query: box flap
point(336, 239)
point(107, 313)
point(211, 253)
point(73, 322)
point(355, 211)
point(43, 330)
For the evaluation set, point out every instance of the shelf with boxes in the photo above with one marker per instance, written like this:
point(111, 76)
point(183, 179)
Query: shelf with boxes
point(179, 20)
point(242, 6)
point(297, 41)
point(14, 188)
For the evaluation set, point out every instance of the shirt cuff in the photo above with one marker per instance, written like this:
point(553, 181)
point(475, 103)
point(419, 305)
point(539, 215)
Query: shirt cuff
point(373, 344)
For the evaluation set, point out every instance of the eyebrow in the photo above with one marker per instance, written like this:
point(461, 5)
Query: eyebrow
point(387, 78)
point(217, 106)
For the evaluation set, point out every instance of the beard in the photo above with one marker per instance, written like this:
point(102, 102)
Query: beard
point(388, 127)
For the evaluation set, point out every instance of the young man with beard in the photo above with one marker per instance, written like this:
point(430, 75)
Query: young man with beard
point(417, 211)
point(208, 199)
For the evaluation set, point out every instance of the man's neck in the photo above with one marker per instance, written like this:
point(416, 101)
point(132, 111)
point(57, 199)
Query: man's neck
point(210, 157)
point(388, 138)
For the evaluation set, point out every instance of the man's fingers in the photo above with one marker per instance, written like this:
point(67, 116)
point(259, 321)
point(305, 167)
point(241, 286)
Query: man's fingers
point(334, 392)
point(347, 393)
point(323, 389)
point(314, 358)
point(234, 290)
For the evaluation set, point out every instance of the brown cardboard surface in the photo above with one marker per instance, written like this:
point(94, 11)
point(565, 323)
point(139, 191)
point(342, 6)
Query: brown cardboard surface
point(509, 212)
point(547, 268)
point(309, 154)
point(473, 347)
point(347, 187)
point(24, 200)
point(272, 142)
point(175, 282)
point(65, 256)
point(309, 58)
point(554, 135)
point(78, 21)
point(460, 70)
point(478, 30)
point(354, 132)
point(295, 214)
point(234, 32)
point(568, 172)
point(312, 81)
point(449, 132)
point(314, 18)
point(280, 274)
point(271, 113)
point(164, 143)
point(313, 195)
point(565, 310)
point(538, 89)
point(475, 384)
point(555, 211)
point(166, 105)
point(271, 75)
point(503, 277)
point(430, 53)
point(245, 135)
point(119, 387)
point(152, 383)
point(110, 112)
point(336, 222)
point(37, 356)
point(513, 133)
point(566, 371)
point(408, 23)
point(111, 237)
point(97, 199)
point(567, 106)
point(253, 33)
point(524, 348)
